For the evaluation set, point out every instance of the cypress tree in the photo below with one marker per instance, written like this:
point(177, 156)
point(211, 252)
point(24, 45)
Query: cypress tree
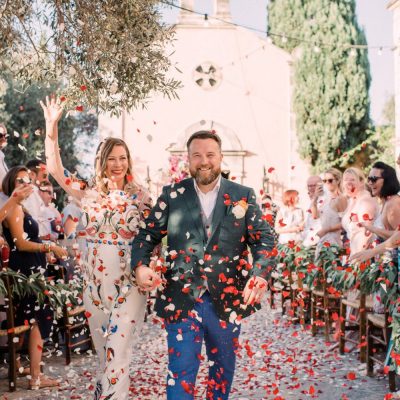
point(331, 79)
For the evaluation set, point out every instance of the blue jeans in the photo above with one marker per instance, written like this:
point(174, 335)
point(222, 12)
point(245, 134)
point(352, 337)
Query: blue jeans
point(185, 339)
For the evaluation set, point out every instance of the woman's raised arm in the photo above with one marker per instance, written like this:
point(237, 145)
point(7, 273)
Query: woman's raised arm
point(52, 111)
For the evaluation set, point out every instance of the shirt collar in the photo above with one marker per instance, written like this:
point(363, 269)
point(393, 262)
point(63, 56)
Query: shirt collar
point(216, 187)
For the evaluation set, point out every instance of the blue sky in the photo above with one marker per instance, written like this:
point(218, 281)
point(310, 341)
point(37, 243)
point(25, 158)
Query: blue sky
point(372, 16)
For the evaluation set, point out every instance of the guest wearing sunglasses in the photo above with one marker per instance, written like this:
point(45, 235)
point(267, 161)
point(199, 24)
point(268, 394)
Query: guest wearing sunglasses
point(27, 256)
point(361, 210)
point(328, 204)
point(383, 183)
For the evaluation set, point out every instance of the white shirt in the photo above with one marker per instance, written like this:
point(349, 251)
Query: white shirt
point(3, 167)
point(311, 227)
point(35, 207)
point(208, 200)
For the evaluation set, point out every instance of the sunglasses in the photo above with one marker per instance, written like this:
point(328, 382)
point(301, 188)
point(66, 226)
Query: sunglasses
point(330, 180)
point(373, 179)
point(23, 180)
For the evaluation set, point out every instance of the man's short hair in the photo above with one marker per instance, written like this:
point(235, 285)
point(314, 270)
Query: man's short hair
point(204, 135)
point(34, 165)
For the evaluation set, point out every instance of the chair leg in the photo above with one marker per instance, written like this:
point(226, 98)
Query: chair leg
point(392, 381)
point(12, 368)
point(342, 332)
point(313, 315)
point(67, 346)
point(370, 351)
point(363, 331)
point(327, 319)
point(271, 297)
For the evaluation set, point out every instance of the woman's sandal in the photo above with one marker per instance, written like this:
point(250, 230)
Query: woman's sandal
point(41, 382)
point(24, 371)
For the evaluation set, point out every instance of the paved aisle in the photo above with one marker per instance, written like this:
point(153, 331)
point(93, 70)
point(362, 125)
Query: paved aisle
point(277, 361)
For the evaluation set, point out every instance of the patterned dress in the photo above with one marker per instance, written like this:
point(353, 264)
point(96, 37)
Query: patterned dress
point(114, 306)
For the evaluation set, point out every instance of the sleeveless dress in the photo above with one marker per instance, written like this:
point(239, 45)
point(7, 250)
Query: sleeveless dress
point(113, 304)
point(28, 263)
point(290, 218)
point(329, 217)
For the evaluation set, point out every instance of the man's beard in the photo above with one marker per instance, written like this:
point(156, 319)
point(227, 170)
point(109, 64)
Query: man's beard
point(205, 179)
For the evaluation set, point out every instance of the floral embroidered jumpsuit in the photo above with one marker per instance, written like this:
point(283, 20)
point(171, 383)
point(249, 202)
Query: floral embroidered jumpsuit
point(114, 306)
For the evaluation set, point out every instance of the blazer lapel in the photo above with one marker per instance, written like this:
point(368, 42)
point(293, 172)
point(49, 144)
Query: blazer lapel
point(219, 210)
point(194, 207)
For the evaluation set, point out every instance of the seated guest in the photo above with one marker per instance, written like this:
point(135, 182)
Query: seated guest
point(312, 223)
point(328, 205)
point(71, 219)
point(34, 204)
point(289, 221)
point(51, 217)
point(27, 256)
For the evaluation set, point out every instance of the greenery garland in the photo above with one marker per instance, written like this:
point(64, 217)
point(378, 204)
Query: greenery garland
point(57, 293)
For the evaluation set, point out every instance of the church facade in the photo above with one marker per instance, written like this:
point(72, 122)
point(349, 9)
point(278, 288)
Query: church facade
point(233, 82)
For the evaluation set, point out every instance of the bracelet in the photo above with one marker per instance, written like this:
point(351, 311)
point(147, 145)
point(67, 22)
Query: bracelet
point(45, 248)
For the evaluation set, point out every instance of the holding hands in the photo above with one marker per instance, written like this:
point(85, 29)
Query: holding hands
point(147, 279)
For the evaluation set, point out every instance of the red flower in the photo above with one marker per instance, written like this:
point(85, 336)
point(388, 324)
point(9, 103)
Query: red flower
point(83, 88)
point(79, 108)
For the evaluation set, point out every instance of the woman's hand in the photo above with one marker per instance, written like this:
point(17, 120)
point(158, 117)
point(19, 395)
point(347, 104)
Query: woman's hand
point(321, 233)
point(361, 256)
point(59, 251)
point(21, 193)
point(52, 110)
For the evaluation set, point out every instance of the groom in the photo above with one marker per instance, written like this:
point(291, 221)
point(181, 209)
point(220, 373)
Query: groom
point(210, 284)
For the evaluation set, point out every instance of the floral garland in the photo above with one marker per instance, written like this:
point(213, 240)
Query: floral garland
point(57, 293)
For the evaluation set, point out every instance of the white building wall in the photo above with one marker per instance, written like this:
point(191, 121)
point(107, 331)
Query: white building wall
point(253, 100)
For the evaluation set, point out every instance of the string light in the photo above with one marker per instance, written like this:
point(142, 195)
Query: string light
point(206, 23)
point(284, 38)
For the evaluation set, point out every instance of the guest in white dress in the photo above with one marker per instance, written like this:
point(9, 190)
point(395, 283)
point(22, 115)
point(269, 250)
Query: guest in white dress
point(289, 222)
point(328, 205)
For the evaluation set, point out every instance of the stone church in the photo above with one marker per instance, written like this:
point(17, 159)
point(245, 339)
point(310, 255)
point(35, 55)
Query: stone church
point(234, 82)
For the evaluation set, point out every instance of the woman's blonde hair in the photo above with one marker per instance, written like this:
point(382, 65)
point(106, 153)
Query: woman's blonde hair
point(336, 174)
point(103, 151)
point(357, 173)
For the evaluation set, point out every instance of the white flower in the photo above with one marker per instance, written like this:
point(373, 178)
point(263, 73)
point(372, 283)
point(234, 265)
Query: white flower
point(239, 210)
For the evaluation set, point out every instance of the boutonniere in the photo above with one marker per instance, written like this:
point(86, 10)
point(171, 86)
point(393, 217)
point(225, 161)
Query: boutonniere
point(240, 208)
point(237, 208)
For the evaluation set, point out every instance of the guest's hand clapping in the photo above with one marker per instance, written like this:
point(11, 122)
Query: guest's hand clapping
point(21, 193)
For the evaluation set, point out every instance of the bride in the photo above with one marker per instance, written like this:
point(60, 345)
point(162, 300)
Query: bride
point(113, 207)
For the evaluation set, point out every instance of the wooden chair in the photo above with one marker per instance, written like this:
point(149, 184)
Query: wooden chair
point(283, 287)
point(12, 332)
point(325, 303)
point(72, 324)
point(363, 305)
point(378, 335)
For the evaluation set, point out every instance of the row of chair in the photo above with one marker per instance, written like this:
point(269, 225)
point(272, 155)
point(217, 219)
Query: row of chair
point(324, 307)
point(73, 320)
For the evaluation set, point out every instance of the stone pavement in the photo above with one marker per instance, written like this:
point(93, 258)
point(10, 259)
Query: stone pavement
point(277, 361)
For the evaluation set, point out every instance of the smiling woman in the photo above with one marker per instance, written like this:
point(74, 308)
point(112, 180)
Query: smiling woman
point(113, 207)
